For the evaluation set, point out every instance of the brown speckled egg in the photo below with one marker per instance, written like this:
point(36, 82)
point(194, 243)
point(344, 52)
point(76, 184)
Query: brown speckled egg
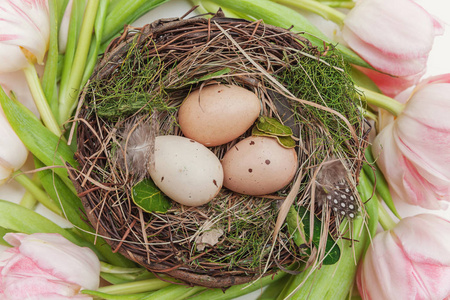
point(218, 114)
point(258, 166)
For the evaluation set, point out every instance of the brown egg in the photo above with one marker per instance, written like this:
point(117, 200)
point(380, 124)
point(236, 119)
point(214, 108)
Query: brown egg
point(218, 114)
point(258, 166)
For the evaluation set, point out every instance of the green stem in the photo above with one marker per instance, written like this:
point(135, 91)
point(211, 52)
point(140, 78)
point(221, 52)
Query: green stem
point(382, 101)
point(365, 189)
point(368, 114)
point(385, 219)
point(96, 43)
point(40, 100)
point(174, 291)
point(339, 4)
point(69, 100)
point(49, 79)
point(135, 287)
point(99, 295)
point(238, 290)
point(40, 195)
point(28, 200)
point(316, 7)
point(377, 179)
point(76, 18)
point(111, 269)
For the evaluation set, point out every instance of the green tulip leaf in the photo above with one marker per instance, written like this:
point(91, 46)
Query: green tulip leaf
point(332, 250)
point(16, 218)
point(285, 141)
point(149, 198)
point(46, 146)
point(273, 127)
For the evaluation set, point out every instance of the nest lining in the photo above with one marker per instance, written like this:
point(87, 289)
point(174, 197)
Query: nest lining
point(144, 77)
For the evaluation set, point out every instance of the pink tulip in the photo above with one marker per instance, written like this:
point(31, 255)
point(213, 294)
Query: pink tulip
point(24, 33)
point(414, 151)
point(46, 266)
point(395, 37)
point(411, 261)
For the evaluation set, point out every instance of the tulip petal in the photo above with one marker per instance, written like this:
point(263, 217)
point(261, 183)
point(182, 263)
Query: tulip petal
point(392, 85)
point(422, 134)
point(13, 153)
point(16, 82)
point(38, 288)
point(51, 251)
point(430, 258)
point(20, 266)
point(385, 263)
point(393, 43)
point(12, 58)
point(428, 229)
point(410, 261)
point(25, 25)
point(416, 159)
point(408, 34)
point(405, 181)
point(378, 59)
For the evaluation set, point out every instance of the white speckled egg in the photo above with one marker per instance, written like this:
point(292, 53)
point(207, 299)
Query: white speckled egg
point(218, 114)
point(185, 170)
point(258, 166)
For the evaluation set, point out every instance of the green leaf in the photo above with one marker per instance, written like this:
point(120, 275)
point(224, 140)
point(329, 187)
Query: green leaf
point(20, 219)
point(149, 198)
point(284, 141)
point(123, 12)
point(272, 126)
point(40, 141)
point(332, 250)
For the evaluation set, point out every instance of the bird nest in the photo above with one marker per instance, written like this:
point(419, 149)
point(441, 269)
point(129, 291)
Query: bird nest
point(143, 78)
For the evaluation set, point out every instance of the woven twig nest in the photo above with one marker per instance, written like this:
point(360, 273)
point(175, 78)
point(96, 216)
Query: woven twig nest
point(144, 77)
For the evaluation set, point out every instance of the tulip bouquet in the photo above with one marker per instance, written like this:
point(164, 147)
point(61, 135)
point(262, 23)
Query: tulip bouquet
point(48, 50)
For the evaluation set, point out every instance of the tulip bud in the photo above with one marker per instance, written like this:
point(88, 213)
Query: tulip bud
point(410, 261)
point(13, 152)
point(395, 38)
point(24, 35)
point(46, 266)
point(413, 151)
